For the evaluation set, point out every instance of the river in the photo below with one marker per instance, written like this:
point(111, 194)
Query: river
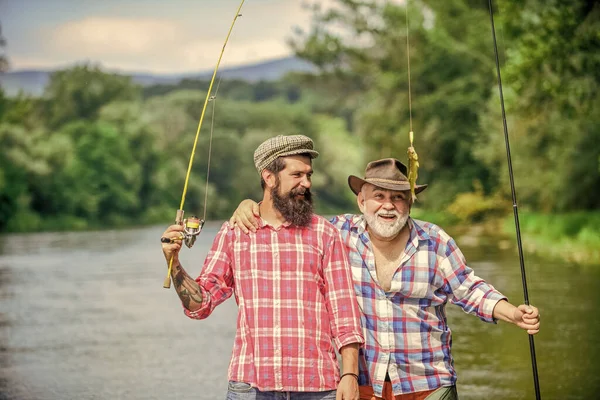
point(84, 316)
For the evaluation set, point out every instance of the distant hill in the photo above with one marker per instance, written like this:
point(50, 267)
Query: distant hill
point(33, 82)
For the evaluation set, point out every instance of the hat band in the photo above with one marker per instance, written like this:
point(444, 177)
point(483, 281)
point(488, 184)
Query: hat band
point(393, 182)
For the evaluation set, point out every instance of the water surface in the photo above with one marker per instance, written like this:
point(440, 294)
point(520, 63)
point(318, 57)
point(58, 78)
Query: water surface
point(85, 316)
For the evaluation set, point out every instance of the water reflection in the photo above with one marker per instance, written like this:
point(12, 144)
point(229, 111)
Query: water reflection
point(84, 316)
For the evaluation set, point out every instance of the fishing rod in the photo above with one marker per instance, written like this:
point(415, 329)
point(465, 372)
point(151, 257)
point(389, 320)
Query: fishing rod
point(193, 225)
point(413, 158)
point(536, 381)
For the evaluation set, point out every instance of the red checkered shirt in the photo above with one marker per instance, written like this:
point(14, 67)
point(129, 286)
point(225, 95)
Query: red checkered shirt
point(296, 300)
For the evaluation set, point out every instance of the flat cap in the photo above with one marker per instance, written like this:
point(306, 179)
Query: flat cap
point(282, 146)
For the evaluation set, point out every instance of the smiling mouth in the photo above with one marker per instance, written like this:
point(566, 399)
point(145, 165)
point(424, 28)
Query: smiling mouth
point(388, 218)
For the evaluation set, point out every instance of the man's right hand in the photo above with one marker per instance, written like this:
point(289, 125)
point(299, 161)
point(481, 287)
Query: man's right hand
point(245, 216)
point(174, 232)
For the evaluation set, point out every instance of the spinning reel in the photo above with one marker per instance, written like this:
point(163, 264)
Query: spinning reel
point(192, 228)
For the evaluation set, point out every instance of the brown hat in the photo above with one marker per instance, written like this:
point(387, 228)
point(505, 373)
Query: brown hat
point(282, 146)
point(388, 173)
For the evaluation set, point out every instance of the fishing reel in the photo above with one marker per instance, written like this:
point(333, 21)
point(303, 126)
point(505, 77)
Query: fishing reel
point(192, 228)
point(193, 225)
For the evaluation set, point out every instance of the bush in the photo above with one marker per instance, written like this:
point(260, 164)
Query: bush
point(476, 206)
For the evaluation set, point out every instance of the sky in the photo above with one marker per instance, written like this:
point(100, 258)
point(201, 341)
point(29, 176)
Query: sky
point(155, 36)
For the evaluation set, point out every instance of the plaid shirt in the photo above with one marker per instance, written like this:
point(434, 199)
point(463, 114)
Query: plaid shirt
point(405, 329)
point(294, 292)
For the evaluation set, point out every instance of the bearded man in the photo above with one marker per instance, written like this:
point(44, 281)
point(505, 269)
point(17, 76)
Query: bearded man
point(291, 279)
point(405, 271)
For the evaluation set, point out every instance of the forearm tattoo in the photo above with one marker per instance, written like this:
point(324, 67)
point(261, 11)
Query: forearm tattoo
point(187, 288)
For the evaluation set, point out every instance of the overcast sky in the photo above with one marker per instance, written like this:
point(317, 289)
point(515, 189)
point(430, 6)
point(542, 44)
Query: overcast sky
point(160, 36)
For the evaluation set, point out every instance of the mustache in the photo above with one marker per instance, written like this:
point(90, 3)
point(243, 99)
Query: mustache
point(388, 214)
point(301, 192)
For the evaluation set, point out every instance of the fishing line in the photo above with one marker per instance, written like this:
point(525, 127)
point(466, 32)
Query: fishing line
point(413, 158)
point(536, 381)
point(212, 99)
point(409, 89)
point(197, 226)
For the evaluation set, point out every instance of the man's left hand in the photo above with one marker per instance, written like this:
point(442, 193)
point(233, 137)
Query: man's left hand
point(348, 388)
point(527, 317)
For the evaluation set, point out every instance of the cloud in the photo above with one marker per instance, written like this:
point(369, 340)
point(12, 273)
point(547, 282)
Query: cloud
point(159, 45)
point(183, 36)
point(169, 45)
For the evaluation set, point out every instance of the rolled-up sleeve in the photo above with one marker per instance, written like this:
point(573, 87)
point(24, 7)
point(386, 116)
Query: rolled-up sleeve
point(340, 299)
point(216, 279)
point(468, 291)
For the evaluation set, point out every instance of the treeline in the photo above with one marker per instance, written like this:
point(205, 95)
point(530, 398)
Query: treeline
point(98, 150)
point(551, 73)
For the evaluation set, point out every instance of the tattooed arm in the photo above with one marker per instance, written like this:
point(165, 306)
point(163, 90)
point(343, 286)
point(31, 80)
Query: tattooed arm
point(187, 288)
point(215, 285)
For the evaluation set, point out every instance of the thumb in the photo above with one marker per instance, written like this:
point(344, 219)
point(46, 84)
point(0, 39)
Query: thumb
point(521, 310)
point(525, 309)
point(256, 210)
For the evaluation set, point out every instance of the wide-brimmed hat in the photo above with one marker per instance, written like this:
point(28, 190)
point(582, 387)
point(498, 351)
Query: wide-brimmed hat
point(282, 146)
point(387, 173)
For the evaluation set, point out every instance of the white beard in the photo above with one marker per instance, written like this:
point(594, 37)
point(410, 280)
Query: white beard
point(386, 230)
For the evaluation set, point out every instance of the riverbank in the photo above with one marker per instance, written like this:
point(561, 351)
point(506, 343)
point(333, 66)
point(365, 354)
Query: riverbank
point(571, 237)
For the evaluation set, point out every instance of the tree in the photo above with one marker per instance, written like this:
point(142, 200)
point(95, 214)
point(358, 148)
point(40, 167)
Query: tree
point(552, 77)
point(80, 92)
point(3, 59)
point(360, 47)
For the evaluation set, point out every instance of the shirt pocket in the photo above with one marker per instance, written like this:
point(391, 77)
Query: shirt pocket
point(415, 283)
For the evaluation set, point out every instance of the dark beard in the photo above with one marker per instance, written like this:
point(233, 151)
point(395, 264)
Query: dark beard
point(296, 211)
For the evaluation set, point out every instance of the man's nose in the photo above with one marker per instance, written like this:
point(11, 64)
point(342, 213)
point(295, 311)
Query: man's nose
point(306, 182)
point(388, 205)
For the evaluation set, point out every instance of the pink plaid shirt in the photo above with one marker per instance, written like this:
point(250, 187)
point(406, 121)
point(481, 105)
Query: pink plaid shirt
point(295, 296)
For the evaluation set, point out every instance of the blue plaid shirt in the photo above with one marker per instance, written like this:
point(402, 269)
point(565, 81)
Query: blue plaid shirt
point(405, 329)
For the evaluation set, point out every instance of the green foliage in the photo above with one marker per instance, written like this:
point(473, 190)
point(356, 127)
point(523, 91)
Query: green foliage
point(470, 207)
point(98, 150)
point(553, 105)
point(573, 236)
point(23, 163)
point(551, 80)
point(79, 93)
point(361, 46)
point(235, 89)
point(3, 58)
point(440, 218)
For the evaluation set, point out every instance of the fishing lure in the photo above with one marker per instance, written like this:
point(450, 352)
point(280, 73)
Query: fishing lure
point(413, 167)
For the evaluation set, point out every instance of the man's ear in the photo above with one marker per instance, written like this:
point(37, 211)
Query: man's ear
point(269, 178)
point(360, 200)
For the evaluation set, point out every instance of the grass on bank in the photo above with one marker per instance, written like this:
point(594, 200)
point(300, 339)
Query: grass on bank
point(573, 237)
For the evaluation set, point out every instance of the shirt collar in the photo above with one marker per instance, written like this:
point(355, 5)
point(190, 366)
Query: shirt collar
point(360, 226)
point(264, 224)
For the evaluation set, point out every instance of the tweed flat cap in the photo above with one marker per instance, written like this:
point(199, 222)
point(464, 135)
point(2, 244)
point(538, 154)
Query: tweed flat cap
point(282, 146)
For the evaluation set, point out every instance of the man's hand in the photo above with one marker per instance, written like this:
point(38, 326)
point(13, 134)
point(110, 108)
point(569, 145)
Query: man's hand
point(245, 216)
point(348, 388)
point(524, 316)
point(175, 233)
point(528, 318)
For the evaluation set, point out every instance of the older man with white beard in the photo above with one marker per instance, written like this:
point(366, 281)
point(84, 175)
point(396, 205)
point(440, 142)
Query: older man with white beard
point(405, 271)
